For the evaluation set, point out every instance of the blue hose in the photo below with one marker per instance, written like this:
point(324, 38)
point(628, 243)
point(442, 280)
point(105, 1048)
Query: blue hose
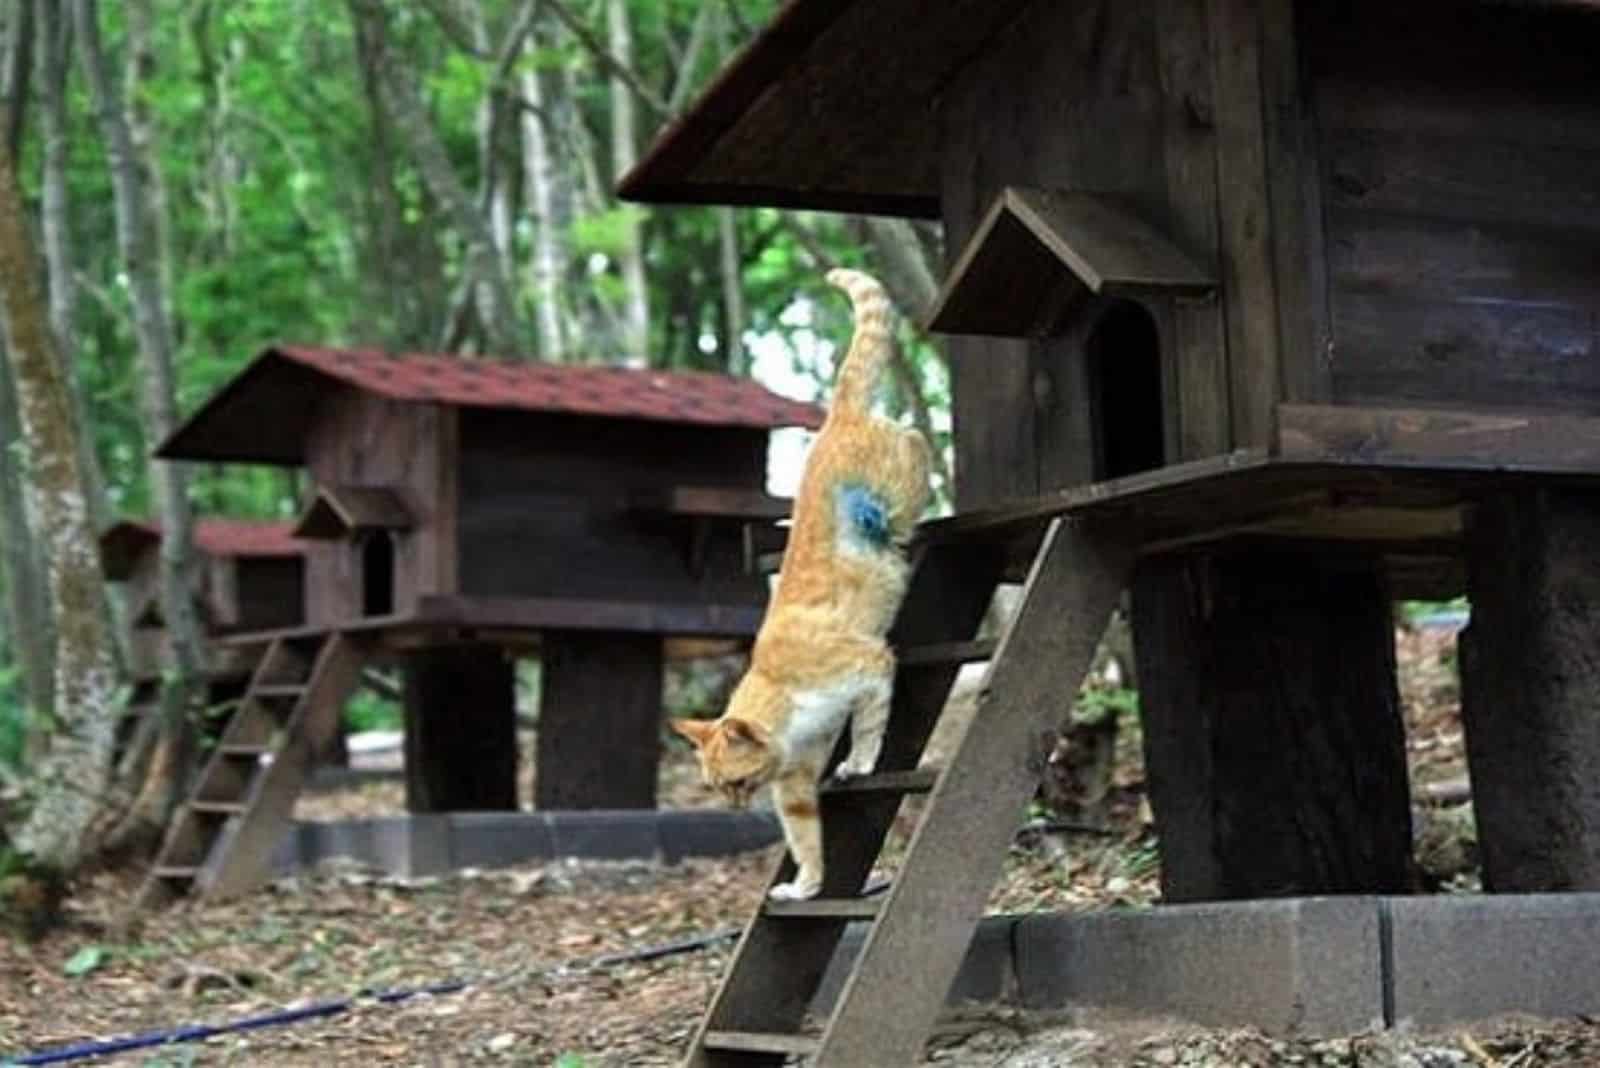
point(197, 1032)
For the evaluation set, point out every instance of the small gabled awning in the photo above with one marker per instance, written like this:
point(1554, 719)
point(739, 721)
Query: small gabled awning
point(1040, 253)
point(341, 511)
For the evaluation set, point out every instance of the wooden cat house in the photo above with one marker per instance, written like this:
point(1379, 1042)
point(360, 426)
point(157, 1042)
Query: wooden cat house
point(463, 512)
point(249, 576)
point(1293, 305)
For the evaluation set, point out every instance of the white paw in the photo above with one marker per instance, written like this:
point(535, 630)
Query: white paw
point(795, 891)
point(851, 768)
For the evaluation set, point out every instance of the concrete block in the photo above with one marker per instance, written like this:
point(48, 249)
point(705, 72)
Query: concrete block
point(1458, 958)
point(499, 839)
point(714, 832)
point(987, 973)
point(1302, 966)
point(606, 834)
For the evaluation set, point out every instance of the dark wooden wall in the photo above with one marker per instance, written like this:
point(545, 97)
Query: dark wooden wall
point(544, 512)
point(270, 592)
point(1068, 97)
point(365, 440)
point(1461, 150)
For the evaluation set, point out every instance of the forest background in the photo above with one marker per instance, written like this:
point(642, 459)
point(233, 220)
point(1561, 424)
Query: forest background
point(183, 182)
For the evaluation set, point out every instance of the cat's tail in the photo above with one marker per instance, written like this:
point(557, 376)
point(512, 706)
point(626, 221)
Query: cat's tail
point(870, 345)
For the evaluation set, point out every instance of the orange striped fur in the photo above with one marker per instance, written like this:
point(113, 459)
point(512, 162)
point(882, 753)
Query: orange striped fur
point(820, 657)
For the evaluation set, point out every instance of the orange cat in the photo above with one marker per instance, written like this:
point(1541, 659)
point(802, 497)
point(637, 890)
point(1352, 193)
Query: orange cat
point(820, 657)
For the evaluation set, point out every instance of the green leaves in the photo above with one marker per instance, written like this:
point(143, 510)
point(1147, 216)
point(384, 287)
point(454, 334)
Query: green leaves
point(84, 961)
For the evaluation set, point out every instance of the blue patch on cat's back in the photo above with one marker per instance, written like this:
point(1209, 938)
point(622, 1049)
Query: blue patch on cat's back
point(863, 515)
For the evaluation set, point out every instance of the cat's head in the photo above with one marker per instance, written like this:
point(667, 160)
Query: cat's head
point(737, 757)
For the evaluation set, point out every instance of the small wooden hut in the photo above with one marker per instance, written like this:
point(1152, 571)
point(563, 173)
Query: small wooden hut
point(1313, 286)
point(464, 512)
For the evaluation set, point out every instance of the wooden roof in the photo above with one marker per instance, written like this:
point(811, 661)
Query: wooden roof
point(831, 108)
point(123, 542)
point(339, 511)
point(264, 414)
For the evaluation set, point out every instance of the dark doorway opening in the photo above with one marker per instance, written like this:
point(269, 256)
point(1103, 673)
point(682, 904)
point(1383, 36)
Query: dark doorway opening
point(1124, 354)
point(377, 574)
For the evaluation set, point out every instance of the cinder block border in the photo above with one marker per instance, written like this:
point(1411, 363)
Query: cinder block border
point(1290, 967)
point(423, 844)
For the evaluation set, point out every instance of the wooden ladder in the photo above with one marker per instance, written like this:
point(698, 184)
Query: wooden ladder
point(221, 842)
point(920, 929)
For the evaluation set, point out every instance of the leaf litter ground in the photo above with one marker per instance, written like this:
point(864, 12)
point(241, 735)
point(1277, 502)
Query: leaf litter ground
point(515, 933)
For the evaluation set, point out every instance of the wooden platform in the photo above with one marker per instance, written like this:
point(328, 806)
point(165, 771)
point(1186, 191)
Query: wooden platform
point(1392, 479)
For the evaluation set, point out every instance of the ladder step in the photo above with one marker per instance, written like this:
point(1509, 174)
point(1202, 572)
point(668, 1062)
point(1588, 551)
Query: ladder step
point(761, 1042)
point(914, 781)
point(170, 871)
point(278, 689)
point(828, 908)
point(244, 752)
point(219, 808)
point(948, 653)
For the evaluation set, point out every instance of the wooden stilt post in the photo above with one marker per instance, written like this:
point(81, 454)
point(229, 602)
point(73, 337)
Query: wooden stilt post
point(461, 730)
point(1530, 670)
point(599, 720)
point(1274, 743)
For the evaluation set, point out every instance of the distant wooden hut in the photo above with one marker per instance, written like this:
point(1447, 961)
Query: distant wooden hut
point(463, 512)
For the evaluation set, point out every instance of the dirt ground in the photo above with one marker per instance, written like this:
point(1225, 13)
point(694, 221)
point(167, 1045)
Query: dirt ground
point(527, 940)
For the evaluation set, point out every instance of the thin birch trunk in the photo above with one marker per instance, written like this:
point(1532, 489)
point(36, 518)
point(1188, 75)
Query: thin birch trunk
point(540, 177)
point(128, 136)
point(68, 782)
point(403, 100)
point(624, 154)
point(733, 308)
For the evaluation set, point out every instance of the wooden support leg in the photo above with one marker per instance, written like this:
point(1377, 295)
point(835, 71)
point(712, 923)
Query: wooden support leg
point(1530, 690)
point(599, 720)
point(461, 730)
point(1274, 744)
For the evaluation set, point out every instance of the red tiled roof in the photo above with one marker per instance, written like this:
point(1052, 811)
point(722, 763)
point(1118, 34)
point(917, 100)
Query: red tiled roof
point(216, 537)
point(664, 396)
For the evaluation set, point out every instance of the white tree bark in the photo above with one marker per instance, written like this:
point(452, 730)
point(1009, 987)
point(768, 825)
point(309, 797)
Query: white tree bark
point(542, 178)
point(624, 154)
point(67, 784)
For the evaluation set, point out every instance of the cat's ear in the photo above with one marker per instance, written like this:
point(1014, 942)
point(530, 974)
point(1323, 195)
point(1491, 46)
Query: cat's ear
point(696, 730)
point(742, 732)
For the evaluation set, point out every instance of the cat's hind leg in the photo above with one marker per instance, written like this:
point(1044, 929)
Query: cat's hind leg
point(796, 796)
point(868, 722)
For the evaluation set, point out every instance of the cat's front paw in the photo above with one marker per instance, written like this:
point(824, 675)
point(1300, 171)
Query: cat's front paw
point(851, 768)
point(795, 891)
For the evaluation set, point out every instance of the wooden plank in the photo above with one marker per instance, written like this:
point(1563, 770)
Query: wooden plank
point(849, 908)
point(1394, 350)
point(911, 955)
point(1294, 172)
point(722, 620)
point(1249, 280)
point(948, 652)
point(717, 502)
point(599, 742)
point(756, 1042)
point(1459, 438)
point(1195, 337)
point(1465, 179)
point(919, 780)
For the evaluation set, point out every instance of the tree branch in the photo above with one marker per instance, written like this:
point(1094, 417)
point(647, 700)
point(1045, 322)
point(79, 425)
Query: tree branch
point(612, 65)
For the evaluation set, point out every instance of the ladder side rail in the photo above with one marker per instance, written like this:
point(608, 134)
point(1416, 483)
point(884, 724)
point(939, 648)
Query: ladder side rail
point(892, 997)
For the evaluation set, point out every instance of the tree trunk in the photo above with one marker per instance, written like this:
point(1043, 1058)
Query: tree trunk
point(1274, 747)
point(68, 782)
point(624, 154)
point(16, 49)
point(30, 625)
point(733, 310)
point(403, 100)
point(543, 195)
point(599, 720)
point(461, 730)
point(126, 129)
point(1530, 674)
